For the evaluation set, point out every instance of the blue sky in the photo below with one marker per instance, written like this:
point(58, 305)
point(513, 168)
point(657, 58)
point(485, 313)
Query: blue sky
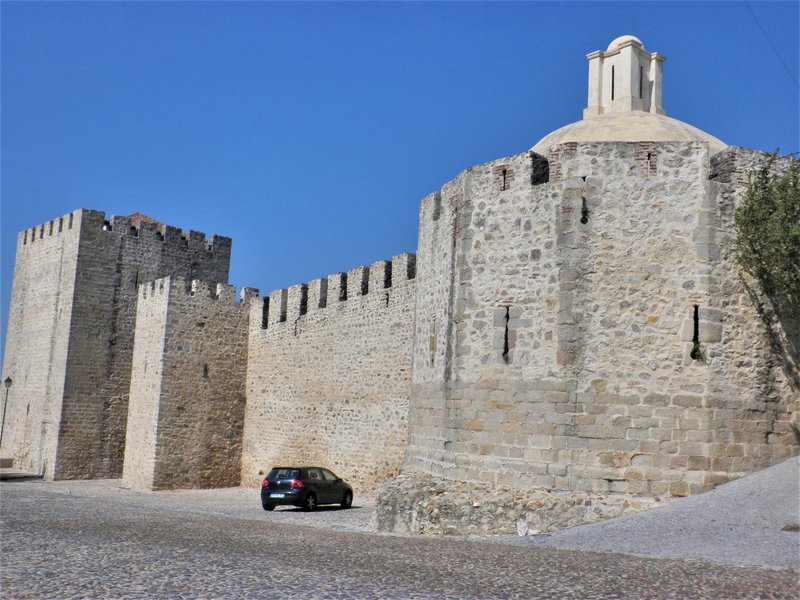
point(309, 132)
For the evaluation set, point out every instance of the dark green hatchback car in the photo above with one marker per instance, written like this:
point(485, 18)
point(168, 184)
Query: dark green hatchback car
point(306, 487)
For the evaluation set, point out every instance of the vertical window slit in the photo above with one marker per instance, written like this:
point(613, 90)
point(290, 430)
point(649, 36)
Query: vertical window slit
point(505, 180)
point(432, 343)
point(641, 74)
point(696, 354)
point(612, 82)
point(505, 339)
point(584, 211)
point(205, 370)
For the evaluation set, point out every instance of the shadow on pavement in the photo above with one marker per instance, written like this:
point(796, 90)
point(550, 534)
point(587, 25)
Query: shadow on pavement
point(17, 476)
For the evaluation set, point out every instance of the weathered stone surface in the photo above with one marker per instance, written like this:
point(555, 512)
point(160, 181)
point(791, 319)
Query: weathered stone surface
point(330, 386)
point(187, 397)
point(418, 503)
point(71, 330)
point(608, 309)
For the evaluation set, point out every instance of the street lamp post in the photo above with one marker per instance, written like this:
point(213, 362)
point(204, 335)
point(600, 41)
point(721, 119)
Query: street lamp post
point(6, 383)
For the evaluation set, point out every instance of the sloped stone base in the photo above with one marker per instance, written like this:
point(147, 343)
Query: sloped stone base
point(417, 503)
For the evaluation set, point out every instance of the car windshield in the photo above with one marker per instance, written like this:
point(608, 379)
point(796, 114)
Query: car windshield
point(284, 473)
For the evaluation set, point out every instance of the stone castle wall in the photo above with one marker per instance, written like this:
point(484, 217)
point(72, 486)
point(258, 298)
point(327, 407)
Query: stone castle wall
point(575, 322)
point(187, 396)
point(556, 322)
point(754, 372)
point(100, 267)
point(329, 372)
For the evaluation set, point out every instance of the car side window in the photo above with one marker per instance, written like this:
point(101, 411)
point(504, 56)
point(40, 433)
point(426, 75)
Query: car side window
point(314, 474)
point(328, 475)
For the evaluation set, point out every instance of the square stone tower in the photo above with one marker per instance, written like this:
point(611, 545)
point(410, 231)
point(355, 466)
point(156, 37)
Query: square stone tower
point(70, 334)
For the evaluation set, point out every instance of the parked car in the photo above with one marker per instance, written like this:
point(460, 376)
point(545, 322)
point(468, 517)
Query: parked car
point(306, 487)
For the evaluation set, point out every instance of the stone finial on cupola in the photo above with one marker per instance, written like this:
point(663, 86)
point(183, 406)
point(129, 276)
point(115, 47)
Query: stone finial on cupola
point(624, 78)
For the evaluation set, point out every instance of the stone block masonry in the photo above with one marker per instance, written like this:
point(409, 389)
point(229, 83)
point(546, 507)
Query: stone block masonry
point(329, 372)
point(187, 396)
point(71, 334)
point(556, 322)
point(37, 341)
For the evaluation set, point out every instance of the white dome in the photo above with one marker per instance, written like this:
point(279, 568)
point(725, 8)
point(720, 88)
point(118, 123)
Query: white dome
point(621, 40)
point(634, 126)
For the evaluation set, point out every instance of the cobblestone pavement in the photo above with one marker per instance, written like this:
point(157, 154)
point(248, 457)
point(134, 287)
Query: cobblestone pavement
point(95, 540)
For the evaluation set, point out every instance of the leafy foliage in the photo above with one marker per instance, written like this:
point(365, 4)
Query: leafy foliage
point(768, 233)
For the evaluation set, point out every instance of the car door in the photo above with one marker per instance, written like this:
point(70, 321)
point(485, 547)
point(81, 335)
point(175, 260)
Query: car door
point(318, 485)
point(335, 486)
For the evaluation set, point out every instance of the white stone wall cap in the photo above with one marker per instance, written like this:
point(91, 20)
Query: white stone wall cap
point(634, 126)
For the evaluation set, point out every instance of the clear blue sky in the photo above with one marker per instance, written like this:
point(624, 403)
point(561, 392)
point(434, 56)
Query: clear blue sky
point(309, 132)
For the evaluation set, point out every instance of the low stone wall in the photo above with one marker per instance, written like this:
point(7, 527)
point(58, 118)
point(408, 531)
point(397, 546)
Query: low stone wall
point(417, 503)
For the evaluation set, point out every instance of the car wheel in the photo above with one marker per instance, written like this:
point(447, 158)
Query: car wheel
point(268, 506)
point(347, 501)
point(310, 503)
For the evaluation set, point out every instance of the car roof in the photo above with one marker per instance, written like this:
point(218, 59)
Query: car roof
point(326, 468)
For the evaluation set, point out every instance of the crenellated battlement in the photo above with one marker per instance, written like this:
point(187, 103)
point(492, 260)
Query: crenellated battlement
point(134, 226)
point(288, 304)
point(736, 164)
point(221, 292)
point(138, 226)
point(51, 228)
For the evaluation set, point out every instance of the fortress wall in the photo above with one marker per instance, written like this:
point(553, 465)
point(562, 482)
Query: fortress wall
point(36, 344)
point(147, 372)
point(579, 376)
point(755, 363)
point(499, 312)
point(114, 256)
point(328, 375)
point(632, 276)
point(184, 426)
point(431, 357)
point(665, 419)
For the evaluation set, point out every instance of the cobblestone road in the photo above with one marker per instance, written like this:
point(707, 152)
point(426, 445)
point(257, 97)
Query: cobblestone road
point(95, 540)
